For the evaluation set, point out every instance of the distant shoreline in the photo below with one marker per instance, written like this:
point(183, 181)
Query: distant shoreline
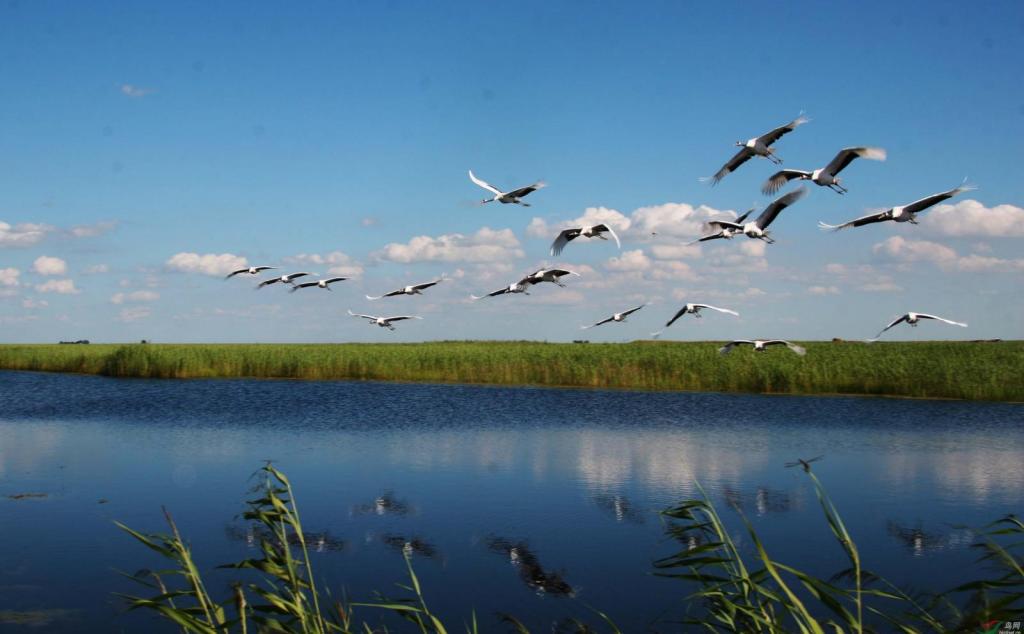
point(992, 371)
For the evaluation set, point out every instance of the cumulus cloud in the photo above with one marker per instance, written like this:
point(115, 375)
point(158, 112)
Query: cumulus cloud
point(134, 313)
point(823, 290)
point(900, 249)
point(9, 277)
point(486, 245)
point(32, 303)
point(977, 263)
point(634, 260)
point(971, 218)
point(215, 264)
point(27, 234)
point(96, 269)
point(133, 297)
point(135, 92)
point(675, 251)
point(61, 287)
point(24, 234)
point(91, 231)
point(338, 263)
point(46, 265)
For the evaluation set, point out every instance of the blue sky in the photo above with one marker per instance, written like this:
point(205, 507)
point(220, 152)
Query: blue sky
point(337, 137)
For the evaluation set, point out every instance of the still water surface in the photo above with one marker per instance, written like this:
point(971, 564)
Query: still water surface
point(464, 474)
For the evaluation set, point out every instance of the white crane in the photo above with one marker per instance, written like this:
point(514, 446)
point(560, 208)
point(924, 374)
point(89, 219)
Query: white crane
point(513, 196)
point(514, 287)
point(825, 176)
point(692, 309)
point(284, 279)
point(912, 319)
point(758, 229)
point(758, 146)
point(547, 275)
point(319, 283)
point(761, 345)
point(595, 231)
point(905, 213)
point(412, 289)
point(251, 270)
point(383, 322)
point(722, 229)
point(616, 317)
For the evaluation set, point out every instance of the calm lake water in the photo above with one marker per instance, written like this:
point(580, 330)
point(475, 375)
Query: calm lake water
point(574, 478)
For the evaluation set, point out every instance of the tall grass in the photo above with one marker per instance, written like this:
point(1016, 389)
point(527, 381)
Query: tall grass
point(737, 592)
point(961, 370)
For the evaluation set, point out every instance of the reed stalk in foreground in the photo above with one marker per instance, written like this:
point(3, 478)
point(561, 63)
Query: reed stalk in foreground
point(738, 590)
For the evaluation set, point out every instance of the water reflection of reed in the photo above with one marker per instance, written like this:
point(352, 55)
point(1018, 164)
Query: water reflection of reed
point(920, 542)
point(619, 507)
point(764, 501)
point(252, 535)
point(384, 504)
point(532, 573)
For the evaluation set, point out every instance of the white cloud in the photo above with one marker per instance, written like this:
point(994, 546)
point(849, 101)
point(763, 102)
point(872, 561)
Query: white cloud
point(368, 221)
point(337, 262)
point(91, 231)
point(971, 218)
point(133, 297)
point(62, 287)
point(976, 263)
point(215, 264)
point(24, 234)
point(823, 290)
point(903, 250)
point(46, 265)
point(31, 303)
point(135, 92)
point(634, 260)
point(96, 269)
point(9, 277)
point(885, 285)
point(134, 313)
point(486, 245)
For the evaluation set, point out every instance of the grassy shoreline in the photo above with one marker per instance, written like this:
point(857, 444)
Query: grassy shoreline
point(952, 370)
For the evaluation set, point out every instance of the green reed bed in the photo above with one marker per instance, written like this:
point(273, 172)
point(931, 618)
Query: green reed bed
point(961, 370)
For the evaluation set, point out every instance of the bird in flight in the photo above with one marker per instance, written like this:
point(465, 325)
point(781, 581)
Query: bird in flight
point(514, 287)
point(905, 213)
point(616, 317)
point(693, 309)
point(284, 279)
point(595, 231)
point(912, 319)
point(412, 289)
point(383, 322)
point(319, 283)
point(757, 229)
point(825, 176)
point(761, 345)
point(513, 196)
point(547, 275)
point(723, 229)
point(251, 270)
point(757, 146)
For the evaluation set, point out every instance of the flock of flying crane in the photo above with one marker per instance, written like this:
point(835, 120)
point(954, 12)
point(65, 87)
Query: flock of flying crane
point(761, 146)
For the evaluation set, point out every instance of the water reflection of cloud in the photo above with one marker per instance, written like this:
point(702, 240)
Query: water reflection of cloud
point(976, 473)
